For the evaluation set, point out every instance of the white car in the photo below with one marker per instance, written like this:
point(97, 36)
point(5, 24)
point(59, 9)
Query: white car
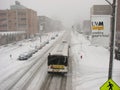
point(25, 56)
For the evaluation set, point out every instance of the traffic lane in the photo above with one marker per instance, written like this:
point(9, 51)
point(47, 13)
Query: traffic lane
point(55, 82)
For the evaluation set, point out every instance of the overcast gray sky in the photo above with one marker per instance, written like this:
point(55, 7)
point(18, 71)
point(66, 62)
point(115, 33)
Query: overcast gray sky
point(69, 11)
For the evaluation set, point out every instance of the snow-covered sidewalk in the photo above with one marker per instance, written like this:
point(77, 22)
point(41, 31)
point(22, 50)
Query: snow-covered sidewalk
point(90, 64)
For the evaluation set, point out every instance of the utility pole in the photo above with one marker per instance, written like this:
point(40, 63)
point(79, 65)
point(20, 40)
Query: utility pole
point(41, 29)
point(113, 5)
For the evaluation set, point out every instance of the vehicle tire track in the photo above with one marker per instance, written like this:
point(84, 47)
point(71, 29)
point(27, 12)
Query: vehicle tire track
point(63, 83)
point(16, 77)
point(47, 82)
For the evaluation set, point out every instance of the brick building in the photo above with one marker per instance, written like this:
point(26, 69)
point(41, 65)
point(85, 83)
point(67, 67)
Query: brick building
point(19, 18)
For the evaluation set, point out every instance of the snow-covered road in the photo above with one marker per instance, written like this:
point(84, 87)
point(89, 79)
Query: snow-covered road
point(16, 74)
point(89, 72)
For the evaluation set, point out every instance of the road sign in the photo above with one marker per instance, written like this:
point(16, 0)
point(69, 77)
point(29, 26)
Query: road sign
point(110, 85)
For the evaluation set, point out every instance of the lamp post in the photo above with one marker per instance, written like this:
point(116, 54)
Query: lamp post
point(41, 28)
point(113, 5)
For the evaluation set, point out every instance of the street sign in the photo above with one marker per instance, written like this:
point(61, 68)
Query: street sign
point(110, 85)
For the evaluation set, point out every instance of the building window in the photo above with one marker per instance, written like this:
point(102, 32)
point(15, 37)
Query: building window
point(21, 13)
point(3, 19)
point(22, 25)
point(3, 25)
point(3, 14)
point(23, 18)
point(9, 20)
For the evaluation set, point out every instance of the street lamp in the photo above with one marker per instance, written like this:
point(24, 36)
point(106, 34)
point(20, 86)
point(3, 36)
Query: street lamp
point(113, 5)
point(41, 29)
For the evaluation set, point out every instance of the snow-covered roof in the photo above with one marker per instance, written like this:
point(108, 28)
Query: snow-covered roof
point(60, 49)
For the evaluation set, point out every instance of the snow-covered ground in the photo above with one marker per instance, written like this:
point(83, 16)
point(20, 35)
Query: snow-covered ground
point(19, 48)
point(9, 65)
point(90, 71)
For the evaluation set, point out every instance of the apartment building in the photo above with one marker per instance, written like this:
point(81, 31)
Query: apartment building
point(19, 18)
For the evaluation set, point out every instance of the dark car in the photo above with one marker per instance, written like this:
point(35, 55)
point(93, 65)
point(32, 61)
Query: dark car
point(56, 35)
point(64, 41)
point(52, 38)
point(47, 42)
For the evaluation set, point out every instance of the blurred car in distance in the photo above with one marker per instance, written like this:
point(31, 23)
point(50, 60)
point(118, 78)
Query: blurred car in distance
point(64, 41)
point(52, 38)
point(47, 42)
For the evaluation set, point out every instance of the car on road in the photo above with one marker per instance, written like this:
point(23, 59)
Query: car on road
point(56, 35)
point(64, 41)
point(52, 38)
point(47, 42)
point(25, 56)
point(33, 51)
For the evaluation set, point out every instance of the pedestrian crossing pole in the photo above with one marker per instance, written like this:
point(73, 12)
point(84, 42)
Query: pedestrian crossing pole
point(113, 5)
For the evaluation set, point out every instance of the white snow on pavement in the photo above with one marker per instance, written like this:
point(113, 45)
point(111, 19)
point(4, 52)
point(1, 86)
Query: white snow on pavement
point(91, 71)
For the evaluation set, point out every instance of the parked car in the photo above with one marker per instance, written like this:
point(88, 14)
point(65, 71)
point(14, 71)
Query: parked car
point(20, 44)
point(25, 56)
point(56, 35)
point(64, 41)
point(47, 42)
point(52, 38)
point(33, 51)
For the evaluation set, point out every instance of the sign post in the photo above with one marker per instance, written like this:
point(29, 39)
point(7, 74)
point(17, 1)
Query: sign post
point(113, 5)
